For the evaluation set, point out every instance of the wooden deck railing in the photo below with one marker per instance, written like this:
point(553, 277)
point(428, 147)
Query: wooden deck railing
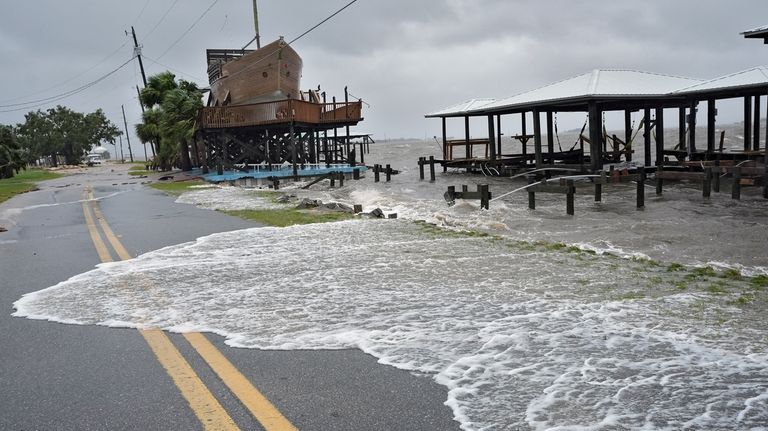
point(279, 112)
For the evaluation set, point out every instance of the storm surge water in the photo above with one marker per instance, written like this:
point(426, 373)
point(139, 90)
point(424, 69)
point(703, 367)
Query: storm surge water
point(533, 320)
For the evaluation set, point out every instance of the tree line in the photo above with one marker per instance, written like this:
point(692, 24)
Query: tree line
point(47, 136)
point(167, 125)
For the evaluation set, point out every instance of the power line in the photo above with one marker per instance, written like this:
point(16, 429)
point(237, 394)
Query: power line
point(323, 21)
point(162, 18)
point(112, 54)
point(255, 63)
point(142, 11)
point(61, 96)
point(189, 29)
point(174, 70)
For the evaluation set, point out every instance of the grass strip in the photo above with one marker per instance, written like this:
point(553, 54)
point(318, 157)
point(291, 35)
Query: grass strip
point(26, 181)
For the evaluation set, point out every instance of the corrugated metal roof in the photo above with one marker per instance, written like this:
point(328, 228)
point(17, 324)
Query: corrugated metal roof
point(461, 108)
point(599, 82)
point(755, 31)
point(746, 78)
point(609, 83)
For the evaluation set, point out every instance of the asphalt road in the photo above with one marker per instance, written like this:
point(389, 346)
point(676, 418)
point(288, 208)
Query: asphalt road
point(69, 377)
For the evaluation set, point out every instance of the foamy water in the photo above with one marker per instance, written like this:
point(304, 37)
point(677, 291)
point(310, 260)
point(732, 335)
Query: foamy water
point(524, 334)
point(523, 337)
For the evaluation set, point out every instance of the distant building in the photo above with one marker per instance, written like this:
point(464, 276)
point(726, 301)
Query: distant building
point(100, 151)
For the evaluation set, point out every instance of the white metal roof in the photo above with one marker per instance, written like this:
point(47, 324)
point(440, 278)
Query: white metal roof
point(610, 83)
point(755, 30)
point(462, 107)
point(599, 82)
point(746, 78)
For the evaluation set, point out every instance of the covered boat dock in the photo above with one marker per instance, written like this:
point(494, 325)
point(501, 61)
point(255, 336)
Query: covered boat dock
point(601, 91)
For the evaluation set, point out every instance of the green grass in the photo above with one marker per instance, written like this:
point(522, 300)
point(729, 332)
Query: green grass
point(288, 217)
point(178, 187)
point(25, 181)
point(138, 169)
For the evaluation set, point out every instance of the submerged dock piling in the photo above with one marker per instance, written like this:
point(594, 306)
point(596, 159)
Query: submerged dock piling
point(376, 170)
point(432, 168)
point(569, 197)
point(421, 167)
point(736, 189)
point(531, 193)
point(659, 181)
point(389, 173)
point(716, 179)
point(707, 188)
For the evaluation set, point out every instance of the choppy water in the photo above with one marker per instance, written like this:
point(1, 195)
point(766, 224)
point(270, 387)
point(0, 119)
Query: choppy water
point(526, 333)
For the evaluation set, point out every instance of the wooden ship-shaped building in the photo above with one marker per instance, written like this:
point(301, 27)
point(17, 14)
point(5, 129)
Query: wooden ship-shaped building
point(258, 118)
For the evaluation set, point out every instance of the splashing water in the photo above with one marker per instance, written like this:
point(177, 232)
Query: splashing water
point(522, 336)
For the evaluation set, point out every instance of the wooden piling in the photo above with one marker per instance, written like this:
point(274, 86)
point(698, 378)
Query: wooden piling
point(641, 187)
point(356, 174)
point(599, 187)
point(357, 208)
point(341, 179)
point(389, 173)
point(531, 193)
point(659, 180)
point(421, 168)
point(485, 196)
point(707, 191)
point(736, 189)
point(376, 169)
point(716, 177)
point(432, 168)
point(569, 207)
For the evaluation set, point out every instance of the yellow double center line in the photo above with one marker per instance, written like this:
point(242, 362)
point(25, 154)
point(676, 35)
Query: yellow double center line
point(205, 406)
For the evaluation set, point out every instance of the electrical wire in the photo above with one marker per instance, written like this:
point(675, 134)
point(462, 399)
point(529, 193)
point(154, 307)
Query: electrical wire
point(174, 70)
point(112, 54)
point(256, 63)
point(142, 11)
point(162, 18)
point(189, 29)
point(61, 96)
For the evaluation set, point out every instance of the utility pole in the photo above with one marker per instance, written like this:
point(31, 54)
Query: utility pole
point(127, 137)
point(137, 52)
point(122, 157)
point(142, 112)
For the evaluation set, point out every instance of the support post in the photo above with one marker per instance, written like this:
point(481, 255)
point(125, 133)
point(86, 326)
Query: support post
point(524, 142)
point(595, 136)
point(491, 138)
point(485, 196)
point(389, 173)
point(376, 170)
point(550, 135)
point(628, 133)
point(716, 176)
point(599, 189)
point(647, 137)
point(294, 153)
point(537, 138)
point(445, 139)
point(707, 190)
point(681, 128)
point(531, 193)
point(498, 136)
point(569, 197)
point(659, 181)
point(756, 133)
point(421, 168)
point(466, 137)
point(692, 128)
point(711, 113)
point(659, 136)
point(747, 123)
point(641, 187)
point(432, 169)
point(736, 189)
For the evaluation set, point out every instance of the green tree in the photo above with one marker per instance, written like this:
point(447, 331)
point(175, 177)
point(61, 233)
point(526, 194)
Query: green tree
point(11, 154)
point(169, 119)
point(61, 131)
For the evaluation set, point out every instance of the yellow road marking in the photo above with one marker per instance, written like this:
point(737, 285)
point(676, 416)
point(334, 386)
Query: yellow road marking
point(111, 237)
point(101, 248)
point(204, 405)
point(259, 406)
point(210, 412)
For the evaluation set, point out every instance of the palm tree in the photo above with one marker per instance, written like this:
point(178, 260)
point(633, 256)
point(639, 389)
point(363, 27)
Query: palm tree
point(170, 118)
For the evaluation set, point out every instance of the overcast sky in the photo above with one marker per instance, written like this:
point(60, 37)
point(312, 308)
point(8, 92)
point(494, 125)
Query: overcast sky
point(403, 57)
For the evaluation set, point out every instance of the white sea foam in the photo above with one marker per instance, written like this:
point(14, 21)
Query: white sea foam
point(522, 338)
